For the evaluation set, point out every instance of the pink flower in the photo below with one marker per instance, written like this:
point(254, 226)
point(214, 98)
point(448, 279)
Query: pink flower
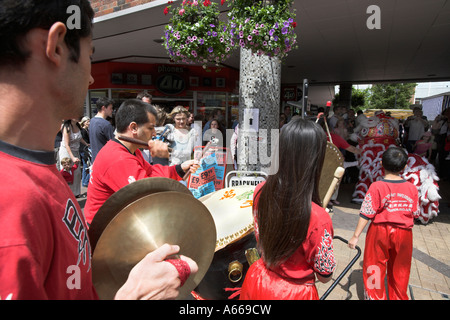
point(181, 12)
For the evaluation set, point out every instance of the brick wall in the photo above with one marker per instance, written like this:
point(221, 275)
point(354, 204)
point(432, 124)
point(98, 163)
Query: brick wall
point(102, 7)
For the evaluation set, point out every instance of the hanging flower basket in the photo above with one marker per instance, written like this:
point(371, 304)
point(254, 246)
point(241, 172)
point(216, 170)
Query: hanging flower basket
point(266, 27)
point(195, 34)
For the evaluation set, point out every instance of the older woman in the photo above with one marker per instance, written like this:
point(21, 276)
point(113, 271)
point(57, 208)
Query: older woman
point(181, 137)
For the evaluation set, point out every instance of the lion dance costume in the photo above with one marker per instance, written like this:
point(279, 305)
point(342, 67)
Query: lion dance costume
point(378, 133)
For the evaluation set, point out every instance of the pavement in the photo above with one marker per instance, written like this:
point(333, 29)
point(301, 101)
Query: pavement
point(430, 270)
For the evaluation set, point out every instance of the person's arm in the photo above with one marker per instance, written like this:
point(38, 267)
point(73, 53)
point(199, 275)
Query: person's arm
point(362, 222)
point(353, 149)
point(324, 279)
point(153, 278)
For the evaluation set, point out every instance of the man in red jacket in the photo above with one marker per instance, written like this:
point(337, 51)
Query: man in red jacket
point(44, 245)
point(120, 162)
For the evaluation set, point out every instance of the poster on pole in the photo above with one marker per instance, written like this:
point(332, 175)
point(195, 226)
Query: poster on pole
point(210, 176)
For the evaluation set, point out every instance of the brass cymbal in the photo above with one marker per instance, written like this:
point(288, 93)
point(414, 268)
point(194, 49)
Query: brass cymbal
point(333, 159)
point(146, 224)
point(126, 195)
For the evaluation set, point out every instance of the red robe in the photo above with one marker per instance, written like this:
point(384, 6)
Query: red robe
point(294, 279)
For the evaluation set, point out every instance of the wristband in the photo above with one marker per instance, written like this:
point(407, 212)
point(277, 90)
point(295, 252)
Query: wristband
point(182, 267)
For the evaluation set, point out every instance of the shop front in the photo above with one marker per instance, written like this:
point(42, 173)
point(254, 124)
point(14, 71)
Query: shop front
point(198, 90)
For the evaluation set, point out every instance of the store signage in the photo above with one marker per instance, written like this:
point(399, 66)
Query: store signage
point(289, 94)
point(245, 181)
point(170, 84)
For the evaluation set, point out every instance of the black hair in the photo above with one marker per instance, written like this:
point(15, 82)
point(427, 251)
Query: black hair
point(144, 94)
point(18, 17)
point(103, 102)
point(133, 110)
point(394, 159)
point(284, 204)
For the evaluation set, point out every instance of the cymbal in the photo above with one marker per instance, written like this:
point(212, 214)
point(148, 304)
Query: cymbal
point(146, 224)
point(333, 160)
point(126, 195)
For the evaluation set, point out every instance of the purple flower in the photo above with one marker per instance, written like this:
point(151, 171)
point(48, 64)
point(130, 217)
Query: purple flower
point(286, 24)
point(210, 49)
point(284, 30)
point(212, 26)
point(214, 34)
point(275, 38)
point(201, 41)
point(271, 32)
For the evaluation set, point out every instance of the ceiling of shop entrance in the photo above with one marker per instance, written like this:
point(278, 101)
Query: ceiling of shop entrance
point(335, 43)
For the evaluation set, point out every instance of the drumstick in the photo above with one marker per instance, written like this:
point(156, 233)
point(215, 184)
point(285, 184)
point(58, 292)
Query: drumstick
point(133, 140)
point(208, 145)
point(326, 124)
point(337, 177)
point(137, 141)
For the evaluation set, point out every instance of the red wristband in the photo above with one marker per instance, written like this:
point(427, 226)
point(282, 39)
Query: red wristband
point(182, 267)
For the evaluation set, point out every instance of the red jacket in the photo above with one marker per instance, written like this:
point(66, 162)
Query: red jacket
point(114, 168)
point(68, 176)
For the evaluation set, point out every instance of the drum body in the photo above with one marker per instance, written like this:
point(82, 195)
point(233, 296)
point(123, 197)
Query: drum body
point(231, 209)
point(216, 284)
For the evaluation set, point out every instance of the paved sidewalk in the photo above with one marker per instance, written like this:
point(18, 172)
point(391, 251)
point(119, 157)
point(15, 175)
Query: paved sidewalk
point(430, 270)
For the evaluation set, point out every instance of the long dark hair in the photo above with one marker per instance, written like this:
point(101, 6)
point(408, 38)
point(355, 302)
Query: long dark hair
point(284, 206)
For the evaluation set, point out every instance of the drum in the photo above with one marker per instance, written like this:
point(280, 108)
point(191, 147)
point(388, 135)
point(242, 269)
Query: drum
point(231, 209)
point(333, 160)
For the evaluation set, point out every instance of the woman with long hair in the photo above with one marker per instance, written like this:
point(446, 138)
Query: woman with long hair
point(294, 233)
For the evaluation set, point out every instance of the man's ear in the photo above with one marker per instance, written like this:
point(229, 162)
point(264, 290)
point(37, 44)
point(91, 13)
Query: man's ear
point(133, 127)
point(56, 48)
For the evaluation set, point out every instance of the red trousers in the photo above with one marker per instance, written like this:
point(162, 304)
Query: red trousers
point(263, 284)
point(388, 250)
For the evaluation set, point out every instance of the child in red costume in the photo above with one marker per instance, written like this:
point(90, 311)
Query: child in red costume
point(392, 205)
point(68, 169)
point(294, 233)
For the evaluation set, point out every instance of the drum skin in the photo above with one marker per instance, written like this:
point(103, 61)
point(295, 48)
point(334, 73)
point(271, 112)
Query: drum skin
point(215, 283)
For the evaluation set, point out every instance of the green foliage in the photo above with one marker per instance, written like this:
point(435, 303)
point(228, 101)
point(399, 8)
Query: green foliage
point(381, 96)
point(391, 96)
